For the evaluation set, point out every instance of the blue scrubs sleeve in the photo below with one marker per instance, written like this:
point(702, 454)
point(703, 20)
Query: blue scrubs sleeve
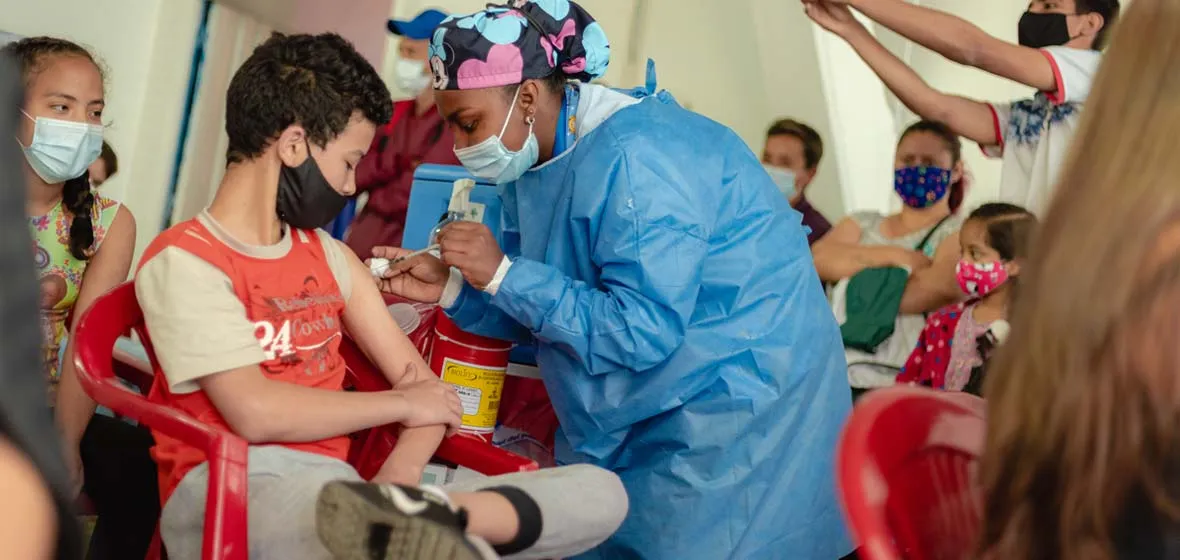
point(649, 250)
point(473, 313)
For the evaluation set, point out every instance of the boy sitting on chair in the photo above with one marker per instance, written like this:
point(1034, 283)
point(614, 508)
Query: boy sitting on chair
point(246, 306)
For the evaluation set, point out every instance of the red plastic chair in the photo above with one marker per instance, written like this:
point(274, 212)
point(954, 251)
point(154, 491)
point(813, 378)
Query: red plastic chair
point(906, 467)
point(117, 313)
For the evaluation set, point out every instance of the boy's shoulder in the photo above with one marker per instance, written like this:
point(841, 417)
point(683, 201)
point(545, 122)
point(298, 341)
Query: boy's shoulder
point(189, 236)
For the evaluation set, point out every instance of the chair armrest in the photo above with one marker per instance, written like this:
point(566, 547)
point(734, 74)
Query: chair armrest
point(482, 457)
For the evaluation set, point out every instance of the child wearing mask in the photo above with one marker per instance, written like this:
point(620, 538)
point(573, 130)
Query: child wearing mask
point(82, 246)
point(1058, 55)
point(958, 339)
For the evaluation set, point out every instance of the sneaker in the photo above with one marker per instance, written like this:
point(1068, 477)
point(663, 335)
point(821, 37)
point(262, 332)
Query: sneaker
point(362, 521)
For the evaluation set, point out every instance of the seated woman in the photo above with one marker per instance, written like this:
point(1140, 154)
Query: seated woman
point(83, 244)
point(922, 238)
point(1083, 436)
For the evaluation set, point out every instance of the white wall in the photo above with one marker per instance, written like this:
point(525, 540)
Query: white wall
point(146, 46)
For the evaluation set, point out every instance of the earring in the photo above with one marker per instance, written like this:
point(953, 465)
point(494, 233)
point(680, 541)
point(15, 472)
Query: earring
point(530, 119)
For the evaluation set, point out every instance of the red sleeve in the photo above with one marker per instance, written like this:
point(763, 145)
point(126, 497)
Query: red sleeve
point(379, 165)
point(913, 371)
point(1058, 95)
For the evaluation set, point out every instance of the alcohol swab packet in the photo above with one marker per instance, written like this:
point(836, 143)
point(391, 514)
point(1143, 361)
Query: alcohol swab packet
point(379, 266)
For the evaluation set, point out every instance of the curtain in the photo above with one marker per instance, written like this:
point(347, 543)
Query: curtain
point(232, 36)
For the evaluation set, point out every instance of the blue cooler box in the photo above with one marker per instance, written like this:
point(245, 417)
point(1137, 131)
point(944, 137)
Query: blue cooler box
point(430, 196)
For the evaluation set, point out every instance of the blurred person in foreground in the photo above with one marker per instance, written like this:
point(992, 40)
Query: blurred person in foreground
point(1083, 442)
point(416, 134)
point(36, 518)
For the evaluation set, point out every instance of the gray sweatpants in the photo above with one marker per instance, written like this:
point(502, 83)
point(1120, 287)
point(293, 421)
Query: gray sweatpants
point(580, 505)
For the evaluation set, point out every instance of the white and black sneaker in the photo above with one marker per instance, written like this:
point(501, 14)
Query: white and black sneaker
point(363, 521)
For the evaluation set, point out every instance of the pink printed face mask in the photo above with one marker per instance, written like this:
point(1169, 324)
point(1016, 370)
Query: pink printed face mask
point(980, 279)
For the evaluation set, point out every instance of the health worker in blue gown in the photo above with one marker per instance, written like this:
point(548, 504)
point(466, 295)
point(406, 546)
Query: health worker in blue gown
point(680, 326)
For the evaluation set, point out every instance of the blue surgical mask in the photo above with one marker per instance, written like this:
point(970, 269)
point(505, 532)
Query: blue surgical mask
point(493, 161)
point(783, 178)
point(62, 150)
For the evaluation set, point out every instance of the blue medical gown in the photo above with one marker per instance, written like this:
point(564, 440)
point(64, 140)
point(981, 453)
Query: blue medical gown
point(682, 334)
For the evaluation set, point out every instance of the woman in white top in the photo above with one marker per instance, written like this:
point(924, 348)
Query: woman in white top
point(922, 238)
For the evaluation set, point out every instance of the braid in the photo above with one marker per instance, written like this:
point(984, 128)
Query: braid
point(78, 201)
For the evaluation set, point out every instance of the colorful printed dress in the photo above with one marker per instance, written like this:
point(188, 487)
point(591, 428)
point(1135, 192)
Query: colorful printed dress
point(61, 273)
point(947, 349)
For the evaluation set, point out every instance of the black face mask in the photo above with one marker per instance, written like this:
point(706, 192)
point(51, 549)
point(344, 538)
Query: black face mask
point(1043, 30)
point(306, 200)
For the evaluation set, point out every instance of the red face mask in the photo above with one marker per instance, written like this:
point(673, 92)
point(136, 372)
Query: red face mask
point(980, 279)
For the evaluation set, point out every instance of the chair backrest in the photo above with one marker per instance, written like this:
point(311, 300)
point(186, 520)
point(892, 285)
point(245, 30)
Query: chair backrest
point(111, 316)
point(907, 473)
point(117, 313)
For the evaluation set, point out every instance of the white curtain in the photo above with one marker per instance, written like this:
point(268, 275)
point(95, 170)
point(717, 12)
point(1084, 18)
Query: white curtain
point(232, 36)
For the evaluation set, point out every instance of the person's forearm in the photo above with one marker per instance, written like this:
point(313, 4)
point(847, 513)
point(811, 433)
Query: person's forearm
point(414, 448)
point(288, 413)
point(837, 261)
point(924, 292)
point(74, 407)
point(946, 34)
point(902, 80)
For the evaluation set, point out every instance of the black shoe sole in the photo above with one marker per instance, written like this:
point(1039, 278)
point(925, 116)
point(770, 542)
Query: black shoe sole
point(355, 521)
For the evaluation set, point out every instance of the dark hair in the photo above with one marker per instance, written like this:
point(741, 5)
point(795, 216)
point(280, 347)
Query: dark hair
point(1009, 228)
point(953, 145)
point(316, 81)
point(32, 55)
point(813, 144)
point(109, 159)
point(1108, 9)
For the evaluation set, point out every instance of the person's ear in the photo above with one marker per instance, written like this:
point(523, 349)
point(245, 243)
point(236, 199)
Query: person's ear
point(1090, 24)
point(292, 146)
point(805, 178)
point(529, 99)
point(1013, 268)
point(957, 172)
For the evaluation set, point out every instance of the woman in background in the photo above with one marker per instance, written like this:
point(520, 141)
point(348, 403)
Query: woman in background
point(922, 238)
point(1083, 438)
point(83, 244)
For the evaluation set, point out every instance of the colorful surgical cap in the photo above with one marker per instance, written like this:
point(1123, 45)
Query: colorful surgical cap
point(518, 41)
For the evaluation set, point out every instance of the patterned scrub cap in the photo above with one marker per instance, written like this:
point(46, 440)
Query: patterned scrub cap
point(508, 44)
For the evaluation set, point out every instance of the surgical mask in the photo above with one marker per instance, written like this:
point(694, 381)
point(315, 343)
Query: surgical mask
point(62, 150)
point(783, 178)
point(980, 279)
point(410, 76)
point(305, 199)
point(1043, 30)
point(921, 187)
point(493, 161)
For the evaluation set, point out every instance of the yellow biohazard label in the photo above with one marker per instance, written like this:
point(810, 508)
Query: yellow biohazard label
point(479, 389)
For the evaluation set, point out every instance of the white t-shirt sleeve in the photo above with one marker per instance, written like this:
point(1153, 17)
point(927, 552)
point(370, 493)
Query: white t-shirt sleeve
point(197, 324)
point(1073, 70)
point(1001, 114)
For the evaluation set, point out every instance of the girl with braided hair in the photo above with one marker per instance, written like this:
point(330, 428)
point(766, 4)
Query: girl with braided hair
point(83, 245)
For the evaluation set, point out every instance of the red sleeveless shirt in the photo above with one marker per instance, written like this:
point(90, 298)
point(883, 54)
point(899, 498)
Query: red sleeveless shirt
point(296, 307)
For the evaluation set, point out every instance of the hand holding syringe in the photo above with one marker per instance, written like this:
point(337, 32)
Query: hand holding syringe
point(379, 266)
